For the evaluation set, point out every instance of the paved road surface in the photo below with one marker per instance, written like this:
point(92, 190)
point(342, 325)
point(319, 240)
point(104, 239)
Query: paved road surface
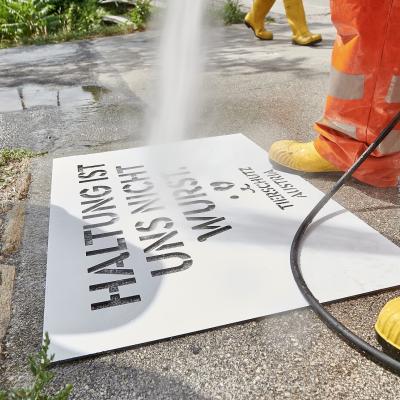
point(268, 91)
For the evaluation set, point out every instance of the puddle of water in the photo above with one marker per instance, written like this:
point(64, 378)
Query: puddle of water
point(29, 96)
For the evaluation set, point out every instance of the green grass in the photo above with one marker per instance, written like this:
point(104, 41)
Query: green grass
point(229, 13)
point(21, 19)
point(141, 14)
point(232, 13)
point(69, 36)
point(10, 167)
point(26, 22)
point(39, 366)
point(8, 156)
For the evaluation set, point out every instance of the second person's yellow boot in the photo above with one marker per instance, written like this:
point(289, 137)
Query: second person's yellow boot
point(255, 18)
point(388, 324)
point(297, 20)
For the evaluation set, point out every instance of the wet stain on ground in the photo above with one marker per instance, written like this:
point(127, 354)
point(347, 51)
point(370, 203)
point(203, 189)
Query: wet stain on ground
point(30, 96)
point(56, 118)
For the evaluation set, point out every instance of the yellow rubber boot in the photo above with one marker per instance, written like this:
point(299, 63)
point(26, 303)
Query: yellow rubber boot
point(388, 323)
point(299, 157)
point(255, 19)
point(297, 20)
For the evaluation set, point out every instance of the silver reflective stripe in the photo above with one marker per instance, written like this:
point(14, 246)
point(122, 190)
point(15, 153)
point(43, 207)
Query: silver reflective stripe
point(393, 95)
point(346, 86)
point(347, 129)
point(391, 144)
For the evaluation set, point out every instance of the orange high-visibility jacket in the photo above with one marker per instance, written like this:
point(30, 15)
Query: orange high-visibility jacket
point(364, 90)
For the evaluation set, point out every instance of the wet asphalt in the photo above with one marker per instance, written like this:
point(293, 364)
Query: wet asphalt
point(92, 96)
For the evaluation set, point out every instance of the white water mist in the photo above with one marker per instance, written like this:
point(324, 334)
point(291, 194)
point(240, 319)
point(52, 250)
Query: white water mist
point(180, 68)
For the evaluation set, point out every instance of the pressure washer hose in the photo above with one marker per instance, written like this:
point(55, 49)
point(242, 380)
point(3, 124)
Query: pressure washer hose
point(352, 339)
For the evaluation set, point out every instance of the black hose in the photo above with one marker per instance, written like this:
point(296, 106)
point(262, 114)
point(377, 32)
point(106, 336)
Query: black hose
point(354, 340)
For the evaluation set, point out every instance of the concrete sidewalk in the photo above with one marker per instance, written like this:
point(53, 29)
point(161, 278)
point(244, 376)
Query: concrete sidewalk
point(267, 91)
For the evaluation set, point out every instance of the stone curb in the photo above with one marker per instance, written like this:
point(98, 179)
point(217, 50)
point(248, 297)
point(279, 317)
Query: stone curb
point(12, 235)
point(7, 276)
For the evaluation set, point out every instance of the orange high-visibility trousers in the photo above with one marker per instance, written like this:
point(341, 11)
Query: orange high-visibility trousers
point(364, 89)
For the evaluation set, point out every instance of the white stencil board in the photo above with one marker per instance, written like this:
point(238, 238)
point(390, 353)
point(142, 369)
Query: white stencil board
point(137, 255)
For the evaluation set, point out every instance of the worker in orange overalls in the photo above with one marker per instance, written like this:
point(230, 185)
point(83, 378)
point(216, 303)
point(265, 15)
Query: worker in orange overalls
point(255, 19)
point(363, 96)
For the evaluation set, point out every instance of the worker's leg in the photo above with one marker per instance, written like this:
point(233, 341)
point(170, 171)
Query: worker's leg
point(364, 92)
point(255, 19)
point(297, 20)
